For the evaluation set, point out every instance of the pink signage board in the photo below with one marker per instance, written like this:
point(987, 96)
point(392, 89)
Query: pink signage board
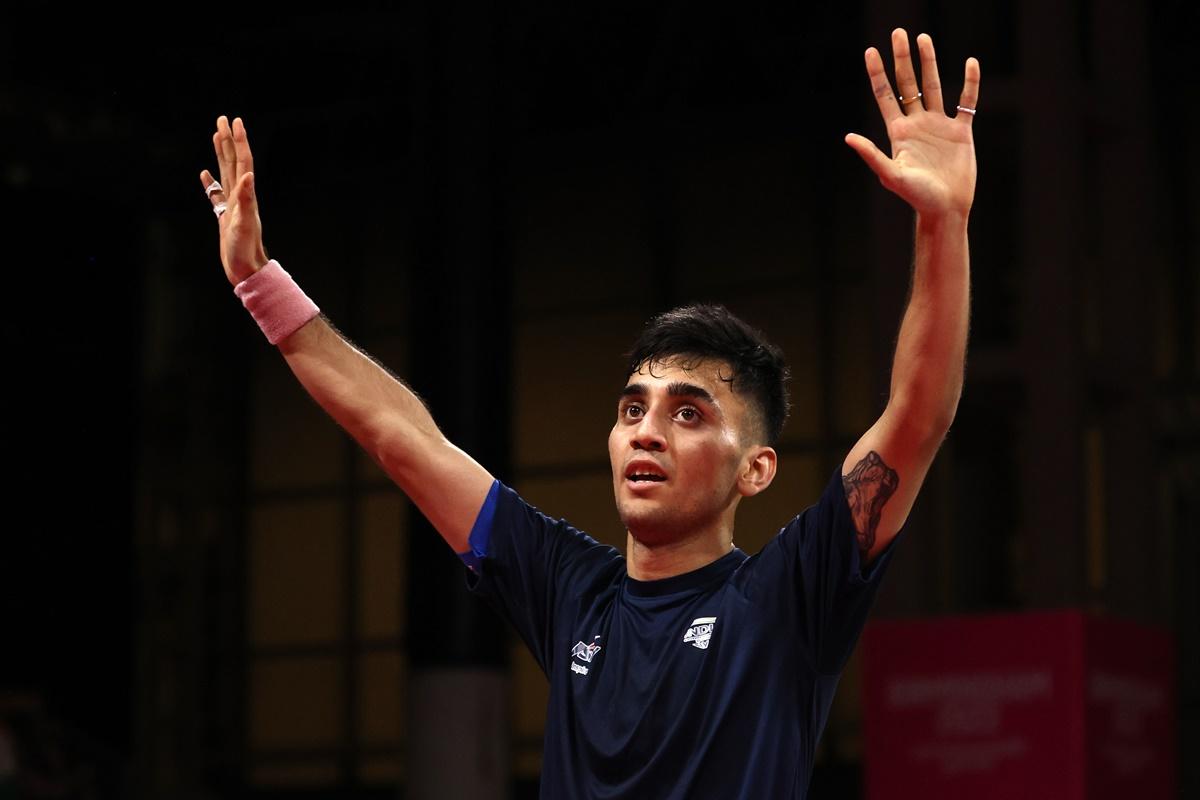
point(1041, 705)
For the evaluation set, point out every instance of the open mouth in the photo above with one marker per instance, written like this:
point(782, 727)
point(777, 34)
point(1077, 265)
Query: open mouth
point(643, 471)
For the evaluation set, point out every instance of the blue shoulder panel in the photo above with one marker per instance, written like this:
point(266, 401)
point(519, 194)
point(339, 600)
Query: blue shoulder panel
point(481, 531)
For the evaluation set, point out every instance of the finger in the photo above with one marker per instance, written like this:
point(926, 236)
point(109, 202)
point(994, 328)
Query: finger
point(906, 78)
point(222, 168)
point(241, 146)
point(879, 163)
point(931, 84)
point(970, 93)
point(228, 153)
point(216, 194)
point(881, 87)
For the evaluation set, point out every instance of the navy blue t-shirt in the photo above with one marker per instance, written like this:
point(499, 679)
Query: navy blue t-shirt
point(711, 684)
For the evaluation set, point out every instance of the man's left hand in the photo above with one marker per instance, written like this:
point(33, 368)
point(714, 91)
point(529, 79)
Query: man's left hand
point(933, 155)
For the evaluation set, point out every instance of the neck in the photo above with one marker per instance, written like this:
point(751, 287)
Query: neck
point(647, 561)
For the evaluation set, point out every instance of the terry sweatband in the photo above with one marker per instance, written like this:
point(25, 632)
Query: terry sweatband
point(278, 305)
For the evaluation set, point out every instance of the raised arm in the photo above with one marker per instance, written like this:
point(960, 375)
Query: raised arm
point(932, 167)
point(382, 414)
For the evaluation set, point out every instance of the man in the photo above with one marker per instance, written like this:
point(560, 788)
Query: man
point(684, 669)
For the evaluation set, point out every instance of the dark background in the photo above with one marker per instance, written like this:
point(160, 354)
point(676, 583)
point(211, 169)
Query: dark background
point(126, 352)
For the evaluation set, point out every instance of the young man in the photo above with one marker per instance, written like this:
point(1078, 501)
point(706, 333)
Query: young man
point(686, 668)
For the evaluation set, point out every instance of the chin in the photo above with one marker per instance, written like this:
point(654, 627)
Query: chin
point(651, 523)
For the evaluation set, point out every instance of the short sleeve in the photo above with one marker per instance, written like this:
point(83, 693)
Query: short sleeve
point(532, 566)
point(830, 592)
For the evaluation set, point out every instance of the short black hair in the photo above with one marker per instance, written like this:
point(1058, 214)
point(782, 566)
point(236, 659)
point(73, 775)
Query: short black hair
point(695, 333)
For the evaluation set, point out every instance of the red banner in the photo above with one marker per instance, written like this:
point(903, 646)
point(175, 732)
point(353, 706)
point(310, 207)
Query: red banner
point(1048, 705)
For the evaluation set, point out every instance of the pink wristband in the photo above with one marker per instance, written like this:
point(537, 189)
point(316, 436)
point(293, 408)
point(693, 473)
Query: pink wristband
point(277, 304)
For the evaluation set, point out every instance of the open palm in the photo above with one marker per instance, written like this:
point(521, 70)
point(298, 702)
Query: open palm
point(932, 166)
point(242, 252)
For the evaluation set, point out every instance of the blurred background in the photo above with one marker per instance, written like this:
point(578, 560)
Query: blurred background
point(211, 593)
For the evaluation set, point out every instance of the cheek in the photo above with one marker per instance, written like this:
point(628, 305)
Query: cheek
point(705, 465)
point(720, 465)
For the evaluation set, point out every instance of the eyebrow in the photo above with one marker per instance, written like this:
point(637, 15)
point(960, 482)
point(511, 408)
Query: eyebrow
point(674, 389)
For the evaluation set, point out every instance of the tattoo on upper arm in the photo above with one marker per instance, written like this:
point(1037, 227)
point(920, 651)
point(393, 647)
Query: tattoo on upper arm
point(868, 487)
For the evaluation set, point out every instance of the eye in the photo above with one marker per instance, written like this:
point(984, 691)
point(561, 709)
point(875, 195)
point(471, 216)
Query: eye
point(633, 411)
point(688, 414)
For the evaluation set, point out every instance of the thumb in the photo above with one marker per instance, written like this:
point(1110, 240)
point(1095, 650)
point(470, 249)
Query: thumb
point(880, 164)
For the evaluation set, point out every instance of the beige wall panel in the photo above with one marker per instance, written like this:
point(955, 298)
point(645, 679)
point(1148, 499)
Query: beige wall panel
point(366, 470)
point(527, 763)
point(296, 573)
point(317, 773)
point(381, 701)
point(382, 558)
point(296, 702)
point(381, 770)
point(568, 372)
point(530, 694)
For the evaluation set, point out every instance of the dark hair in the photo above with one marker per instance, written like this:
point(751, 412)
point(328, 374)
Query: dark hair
point(701, 332)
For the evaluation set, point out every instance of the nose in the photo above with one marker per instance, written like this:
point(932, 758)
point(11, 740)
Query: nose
point(648, 435)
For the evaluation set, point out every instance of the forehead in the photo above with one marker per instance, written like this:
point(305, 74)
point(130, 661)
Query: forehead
point(709, 374)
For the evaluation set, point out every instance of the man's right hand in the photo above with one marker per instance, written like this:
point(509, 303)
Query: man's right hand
point(242, 252)
point(382, 414)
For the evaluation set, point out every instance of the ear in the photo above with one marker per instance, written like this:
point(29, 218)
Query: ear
point(757, 471)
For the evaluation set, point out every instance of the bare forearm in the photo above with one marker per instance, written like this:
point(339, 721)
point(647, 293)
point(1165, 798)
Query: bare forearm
point(927, 373)
point(392, 425)
point(359, 394)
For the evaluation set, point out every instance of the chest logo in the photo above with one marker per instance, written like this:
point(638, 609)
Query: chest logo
point(699, 633)
point(584, 652)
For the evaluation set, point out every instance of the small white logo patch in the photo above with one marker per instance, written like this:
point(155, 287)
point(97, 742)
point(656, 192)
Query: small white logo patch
point(584, 652)
point(699, 634)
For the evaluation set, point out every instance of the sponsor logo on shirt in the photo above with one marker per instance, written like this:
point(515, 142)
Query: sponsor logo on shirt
point(699, 633)
point(584, 652)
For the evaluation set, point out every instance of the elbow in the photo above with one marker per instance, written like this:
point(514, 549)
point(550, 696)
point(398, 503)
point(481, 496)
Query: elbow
point(943, 414)
point(940, 426)
point(927, 422)
point(396, 445)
